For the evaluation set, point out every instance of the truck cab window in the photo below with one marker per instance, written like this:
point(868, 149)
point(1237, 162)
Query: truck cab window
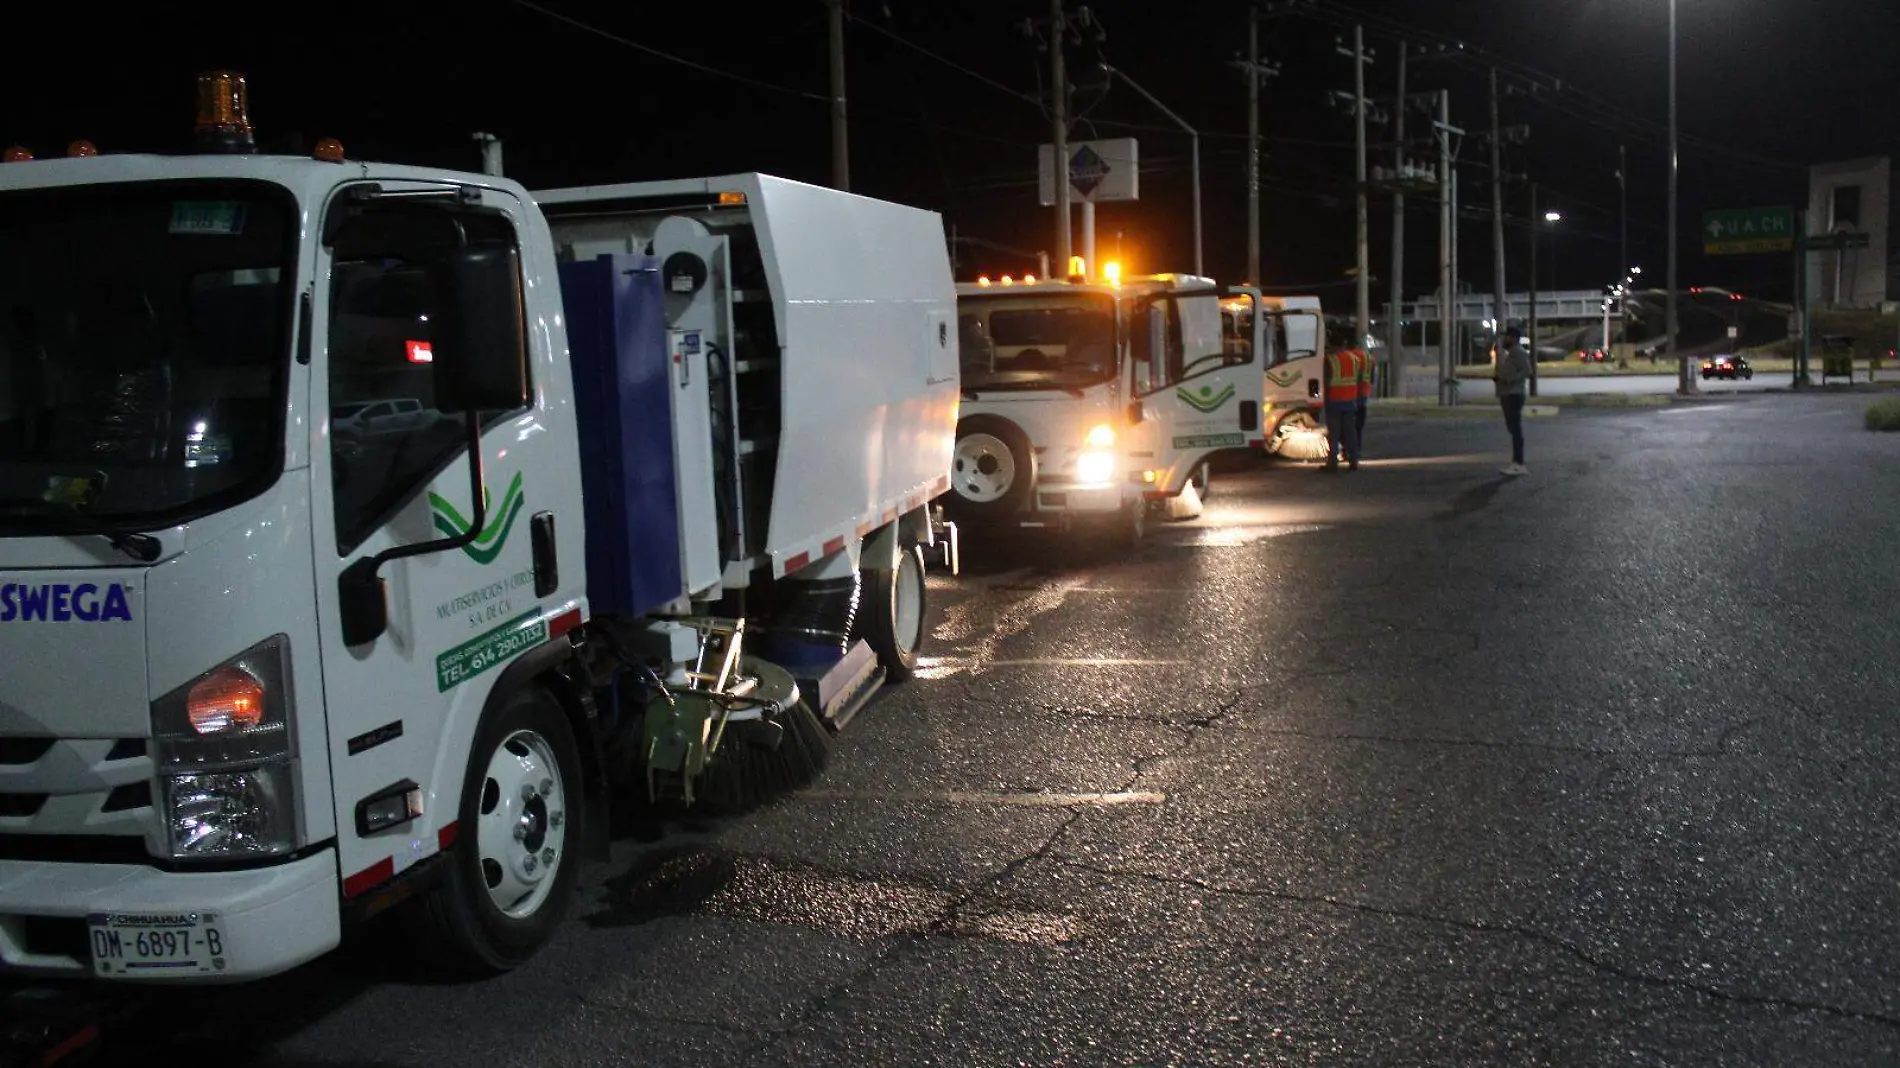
point(387, 437)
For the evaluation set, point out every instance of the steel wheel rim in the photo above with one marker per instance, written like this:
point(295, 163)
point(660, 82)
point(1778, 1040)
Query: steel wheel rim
point(973, 482)
point(909, 612)
point(521, 825)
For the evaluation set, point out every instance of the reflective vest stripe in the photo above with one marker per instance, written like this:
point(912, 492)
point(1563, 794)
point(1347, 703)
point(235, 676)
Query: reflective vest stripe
point(1365, 375)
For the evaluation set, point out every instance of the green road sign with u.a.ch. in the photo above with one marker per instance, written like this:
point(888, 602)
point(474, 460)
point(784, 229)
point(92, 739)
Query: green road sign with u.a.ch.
point(1740, 230)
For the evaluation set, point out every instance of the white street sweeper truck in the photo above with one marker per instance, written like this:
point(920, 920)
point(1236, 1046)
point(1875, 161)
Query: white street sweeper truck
point(367, 532)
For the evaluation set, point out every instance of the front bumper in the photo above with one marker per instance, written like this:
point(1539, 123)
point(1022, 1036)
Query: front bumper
point(1056, 499)
point(273, 918)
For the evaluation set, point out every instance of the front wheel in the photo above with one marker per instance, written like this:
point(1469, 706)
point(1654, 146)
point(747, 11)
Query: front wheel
point(894, 603)
point(513, 866)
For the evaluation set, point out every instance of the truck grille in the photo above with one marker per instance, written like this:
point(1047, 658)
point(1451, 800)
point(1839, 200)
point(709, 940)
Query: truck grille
point(75, 799)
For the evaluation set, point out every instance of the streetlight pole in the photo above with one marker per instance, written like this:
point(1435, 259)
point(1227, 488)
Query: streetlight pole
point(1194, 141)
point(1685, 382)
point(1623, 231)
point(1059, 119)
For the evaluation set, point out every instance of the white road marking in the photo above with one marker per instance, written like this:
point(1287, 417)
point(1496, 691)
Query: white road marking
point(984, 797)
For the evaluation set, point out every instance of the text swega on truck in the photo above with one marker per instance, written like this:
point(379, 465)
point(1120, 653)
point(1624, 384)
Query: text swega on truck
point(278, 654)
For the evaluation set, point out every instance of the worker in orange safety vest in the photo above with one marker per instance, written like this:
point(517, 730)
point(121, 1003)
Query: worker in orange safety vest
point(1342, 408)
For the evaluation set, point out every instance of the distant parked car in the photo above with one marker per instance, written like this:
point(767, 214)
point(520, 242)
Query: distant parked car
point(1727, 367)
point(1593, 356)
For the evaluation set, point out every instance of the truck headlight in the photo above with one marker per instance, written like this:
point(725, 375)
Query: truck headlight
point(1100, 437)
point(1095, 467)
point(226, 756)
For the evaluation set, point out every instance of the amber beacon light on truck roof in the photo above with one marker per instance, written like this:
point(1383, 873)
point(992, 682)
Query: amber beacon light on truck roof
point(223, 124)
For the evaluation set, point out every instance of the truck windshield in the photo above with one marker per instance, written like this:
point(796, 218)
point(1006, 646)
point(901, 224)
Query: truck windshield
point(144, 334)
point(1037, 341)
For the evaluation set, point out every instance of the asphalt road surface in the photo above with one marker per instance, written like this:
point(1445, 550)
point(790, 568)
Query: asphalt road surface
point(1418, 765)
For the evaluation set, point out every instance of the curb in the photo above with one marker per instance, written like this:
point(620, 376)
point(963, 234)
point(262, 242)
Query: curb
point(1461, 411)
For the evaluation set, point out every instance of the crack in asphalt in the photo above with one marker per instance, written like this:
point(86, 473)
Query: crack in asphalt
point(1720, 748)
point(953, 911)
point(1532, 934)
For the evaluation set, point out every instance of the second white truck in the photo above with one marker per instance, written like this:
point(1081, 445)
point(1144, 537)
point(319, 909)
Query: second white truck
point(1086, 401)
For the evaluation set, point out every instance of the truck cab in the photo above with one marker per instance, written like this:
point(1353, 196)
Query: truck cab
point(1085, 402)
point(1292, 404)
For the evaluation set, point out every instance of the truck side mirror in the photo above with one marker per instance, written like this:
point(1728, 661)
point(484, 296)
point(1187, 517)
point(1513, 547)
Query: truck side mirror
point(479, 339)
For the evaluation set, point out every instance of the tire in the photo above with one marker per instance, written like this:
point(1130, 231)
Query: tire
point(895, 603)
point(504, 895)
point(992, 470)
point(1202, 479)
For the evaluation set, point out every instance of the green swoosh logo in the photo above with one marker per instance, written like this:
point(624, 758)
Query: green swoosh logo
point(1284, 378)
point(1206, 401)
point(494, 537)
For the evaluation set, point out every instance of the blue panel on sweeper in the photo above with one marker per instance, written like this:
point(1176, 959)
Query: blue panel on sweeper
point(616, 331)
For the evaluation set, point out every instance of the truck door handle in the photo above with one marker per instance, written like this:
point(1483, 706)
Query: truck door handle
point(547, 563)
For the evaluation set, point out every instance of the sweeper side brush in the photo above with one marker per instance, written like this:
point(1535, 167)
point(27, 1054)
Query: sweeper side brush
point(1300, 436)
point(750, 770)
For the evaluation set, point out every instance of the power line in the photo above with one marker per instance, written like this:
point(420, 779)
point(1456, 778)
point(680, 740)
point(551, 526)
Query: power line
point(693, 64)
point(945, 60)
point(1604, 114)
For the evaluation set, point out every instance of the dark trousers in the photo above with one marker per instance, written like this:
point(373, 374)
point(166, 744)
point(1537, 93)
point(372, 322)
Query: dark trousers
point(1359, 423)
point(1514, 422)
point(1342, 431)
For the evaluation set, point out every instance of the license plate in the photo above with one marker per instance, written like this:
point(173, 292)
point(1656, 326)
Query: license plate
point(157, 943)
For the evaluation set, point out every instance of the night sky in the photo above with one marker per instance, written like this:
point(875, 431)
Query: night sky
point(1766, 87)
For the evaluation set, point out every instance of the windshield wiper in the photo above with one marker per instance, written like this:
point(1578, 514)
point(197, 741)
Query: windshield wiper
point(141, 547)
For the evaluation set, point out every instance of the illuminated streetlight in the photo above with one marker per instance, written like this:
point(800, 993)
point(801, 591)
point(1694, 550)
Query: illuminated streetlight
point(1553, 216)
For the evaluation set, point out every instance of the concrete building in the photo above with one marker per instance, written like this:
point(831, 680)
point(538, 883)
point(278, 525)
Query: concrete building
point(1857, 196)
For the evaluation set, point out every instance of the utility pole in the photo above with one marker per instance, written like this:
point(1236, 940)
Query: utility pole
point(1059, 89)
point(1498, 309)
point(1446, 314)
point(1256, 72)
point(840, 126)
point(1253, 145)
point(1457, 283)
point(1391, 382)
point(1685, 381)
point(1535, 219)
point(1363, 311)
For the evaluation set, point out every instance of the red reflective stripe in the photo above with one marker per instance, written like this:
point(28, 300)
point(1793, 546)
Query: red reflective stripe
point(835, 545)
point(70, 1045)
point(794, 563)
point(381, 871)
point(445, 837)
point(564, 622)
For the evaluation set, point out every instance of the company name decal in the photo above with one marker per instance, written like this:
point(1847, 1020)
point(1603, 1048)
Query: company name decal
point(62, 602)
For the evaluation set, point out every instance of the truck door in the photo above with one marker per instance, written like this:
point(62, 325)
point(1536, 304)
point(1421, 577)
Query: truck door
point(403, 706)
point(1198, 380)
